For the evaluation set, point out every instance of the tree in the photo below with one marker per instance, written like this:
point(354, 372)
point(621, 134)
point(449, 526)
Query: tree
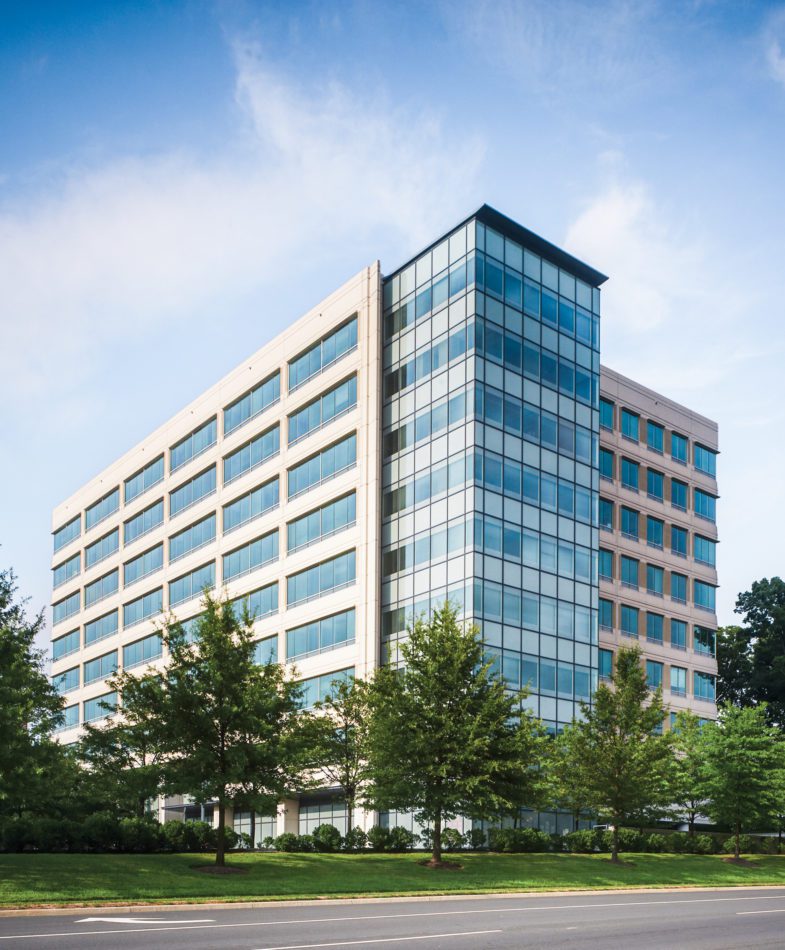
point(567, 784)
point(30, 707)
point(444, 734)
point(743, 768)
point(623, 758)
point(688, 775)
point(226, 723)
point(751, 658)
point(339, 740)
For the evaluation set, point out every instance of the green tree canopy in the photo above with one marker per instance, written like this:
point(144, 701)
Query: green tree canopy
point(687, 789)
point(445, 736)
point(624, 761)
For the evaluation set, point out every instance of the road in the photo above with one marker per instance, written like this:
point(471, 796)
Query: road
point(665, 920)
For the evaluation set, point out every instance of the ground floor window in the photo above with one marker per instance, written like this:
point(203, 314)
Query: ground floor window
point(322, 810)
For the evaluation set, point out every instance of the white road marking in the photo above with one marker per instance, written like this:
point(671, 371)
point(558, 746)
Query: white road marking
point(747, 913)
point(354, 943)
point(434, 913)
point(143, 920)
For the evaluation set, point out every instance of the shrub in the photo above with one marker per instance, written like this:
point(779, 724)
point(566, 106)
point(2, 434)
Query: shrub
point(512, 840)
point(581, 842)
point(101, 832)
point(140, 835)
point(477, 838)
point(305, 843)
point(288, 841)
point(356, 840)
point(401, 839)
point(326, 838)
point(452, 839)
point(379, 838)
point(704, 844)
point(268, 842)
point(629, 840)
point(747, 845)
point(656, 843)
point(18, 834)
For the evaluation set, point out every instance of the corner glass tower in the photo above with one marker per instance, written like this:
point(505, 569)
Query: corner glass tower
point(490, 453)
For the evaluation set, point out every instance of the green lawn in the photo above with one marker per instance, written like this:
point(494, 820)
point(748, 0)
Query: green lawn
point(94, 878)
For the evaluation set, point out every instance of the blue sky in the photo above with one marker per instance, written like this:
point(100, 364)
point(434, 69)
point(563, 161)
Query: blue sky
point(180, 180)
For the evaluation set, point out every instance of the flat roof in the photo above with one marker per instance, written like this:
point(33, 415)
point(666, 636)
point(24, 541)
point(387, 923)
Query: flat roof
point(533, 242)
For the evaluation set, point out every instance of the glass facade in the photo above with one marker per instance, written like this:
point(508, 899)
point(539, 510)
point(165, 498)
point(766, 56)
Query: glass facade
point(490, 455)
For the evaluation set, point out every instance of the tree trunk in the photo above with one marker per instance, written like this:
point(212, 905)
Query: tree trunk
point(738, 835)
point(779, 840)
point(253, 829)
point(141, 802)
point(615, 844)
point(219, 848)
point(436, 857)
point(576, 820)
point(692, 825)
point(349, 814)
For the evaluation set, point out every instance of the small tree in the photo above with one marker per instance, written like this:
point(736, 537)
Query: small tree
point(624, 760)
point(339, 740)
point(567, 783)
point(687, 790)
point(444, 733)
point(743, 768)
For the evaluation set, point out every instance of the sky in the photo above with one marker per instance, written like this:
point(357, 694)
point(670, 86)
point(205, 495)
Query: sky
point(181, 180)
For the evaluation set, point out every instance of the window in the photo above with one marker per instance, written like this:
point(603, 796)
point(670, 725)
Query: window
point(254, 453)
point(70, 718)
point(655, 531)
point(142, 651)
point(704, 641)
point(678, 448)
point(143, 607)
point(65, 571)
point(706, 460)
point(192, 491)
point(630, 425)
point(606, 614)
point(100, 707)
point(251, 556)
point(678, 587)
point(67, 680)
point(629, 572)
point(323, 354)
point(629, 474)
point(191, 584)
point(254, 402)
point(606, 464)
point(328, 633)
point(678, 541)
point(66, 608)
point(142, 565)
point(266, 651)
point(67, 533)
point(606, 414)
point(325, 521)
point(323, 409)
point(654, 627)
point(678, 494)
point(317, 688)
point(606, 514)
point(678, 681)
point(100, 668)
point(145, 521)
point(653, 674)
point(193, 444)
point(655, 580)
point(629, 523)
point(606, 564)
point(705, 505)
point(326, 464)
point(192, 538)
point(316, 581)
point(65, 645)
point(655, 436)
point(104, 587)
point(704, 595)
point(705, 550)
point(655, 484)
point(101, 509)
point(629, 620)
point(253, 504)
point(605, 662)
point(259, 603)
point(678, 634)
point(100, 628)
point(704, 686)
point(144, 479)
point(103, 548)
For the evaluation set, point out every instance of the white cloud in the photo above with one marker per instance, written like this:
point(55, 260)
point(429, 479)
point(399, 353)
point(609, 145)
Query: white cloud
point(111, 251)
point(774, 42)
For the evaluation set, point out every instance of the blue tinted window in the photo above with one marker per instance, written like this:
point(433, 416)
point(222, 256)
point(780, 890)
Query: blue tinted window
point(655, 436)
point(254, 453)
point(678, 448)
point(191, 584)
point(630, 424)
point(606, 564)
point(704, 641)
point(191, 538)
point(705, 505)
point(323, 354)
point(323, 409)
point(193, 444)
point(252, 403)
point(606, 614)
point(655, 484)
point(102, 548)
point(318, 688)
point(629, 474)
point(654, 627)
point(144, 479)
point(629, 571)
point(629, 620)
point(320, 635)
point(704, 686)
point(678, 634)
point(678, 541)
point(67, 533)
point(70, 718)
point(325, 521)
point(250, 556)
point(65, 645)
point(100, 707)
point(653, 674)
point(104, 587)
point(606, 414)
point(706, 460)
point(102, 627)
point(252, 505)
point(67, 680)
point(260, 603)
point(142, 651)
point(704, 595)
point(319, 580)
point(143, 607)
point(102, 508)
point(66, 607)
point(655, 530)
point(678, 494)
point(143, 564)
point(326, 464)
point(143, 522)
point(606, 464)
point(606, 514)
point(678, 680)
point(629, 523)
point(100, 668)
point(705, 550)
point(605, 664)
point(679, 587)
point(266, 651)
point(192, 491)
point(65, 571)
point(655, 579)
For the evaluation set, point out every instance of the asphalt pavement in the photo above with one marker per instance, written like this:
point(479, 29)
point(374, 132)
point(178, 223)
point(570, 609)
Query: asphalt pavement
point(666, 920)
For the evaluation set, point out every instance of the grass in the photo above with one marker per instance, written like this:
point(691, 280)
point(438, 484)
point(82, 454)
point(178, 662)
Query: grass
point(47, 879)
